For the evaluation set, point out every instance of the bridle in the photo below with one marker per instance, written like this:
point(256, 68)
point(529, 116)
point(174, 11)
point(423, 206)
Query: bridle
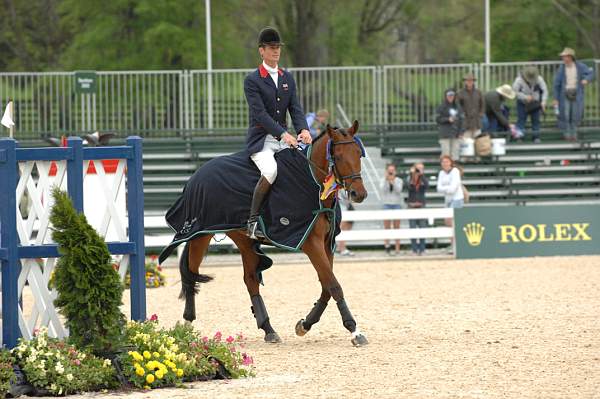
point(342, 179)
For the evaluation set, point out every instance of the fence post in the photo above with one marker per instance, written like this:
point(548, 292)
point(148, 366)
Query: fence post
point(75, 172)
point(135, 210)
point(11, 267)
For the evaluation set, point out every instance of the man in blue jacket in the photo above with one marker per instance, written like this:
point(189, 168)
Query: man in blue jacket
point(271, 93)
point(569, 83)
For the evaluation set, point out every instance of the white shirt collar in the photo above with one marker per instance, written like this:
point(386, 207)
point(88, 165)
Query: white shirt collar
point(269, 69)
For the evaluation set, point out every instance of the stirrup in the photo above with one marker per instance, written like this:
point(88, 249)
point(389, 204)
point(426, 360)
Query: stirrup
point(253, 232)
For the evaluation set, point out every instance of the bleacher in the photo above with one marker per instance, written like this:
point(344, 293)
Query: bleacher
point(554, 171)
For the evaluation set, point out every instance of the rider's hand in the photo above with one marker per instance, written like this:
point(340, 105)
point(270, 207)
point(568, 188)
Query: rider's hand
point(289, 139)
point(305, 136)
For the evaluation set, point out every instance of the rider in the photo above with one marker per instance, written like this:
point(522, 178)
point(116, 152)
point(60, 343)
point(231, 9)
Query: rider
point(271, 93)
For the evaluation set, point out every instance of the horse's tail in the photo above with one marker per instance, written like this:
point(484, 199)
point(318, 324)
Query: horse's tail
point(189, 280)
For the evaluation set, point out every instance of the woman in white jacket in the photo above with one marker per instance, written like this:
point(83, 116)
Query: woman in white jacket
point(449, 183)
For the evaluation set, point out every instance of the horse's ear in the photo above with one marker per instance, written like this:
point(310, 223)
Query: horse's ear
point(354, 128)
point(330, 131)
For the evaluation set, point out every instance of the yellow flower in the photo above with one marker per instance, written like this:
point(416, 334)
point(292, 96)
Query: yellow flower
point(156, 354)
point(147, 387)
point(150, 365)
point(149, 378)
point(136, 365)
point(140, 371)
point(159, 374)
point(179, 373)
point(147, 355)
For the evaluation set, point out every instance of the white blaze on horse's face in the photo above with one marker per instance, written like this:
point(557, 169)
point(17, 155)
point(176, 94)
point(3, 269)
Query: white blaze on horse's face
point(346, 155)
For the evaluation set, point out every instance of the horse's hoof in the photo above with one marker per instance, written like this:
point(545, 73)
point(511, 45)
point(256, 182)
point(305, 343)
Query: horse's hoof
point(272, 338)
point(359, 340)
point(300, 330)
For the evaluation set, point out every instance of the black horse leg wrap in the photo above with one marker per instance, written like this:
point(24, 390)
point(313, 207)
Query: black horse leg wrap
point(260, 313)
point(347, 318)
point(315, 315)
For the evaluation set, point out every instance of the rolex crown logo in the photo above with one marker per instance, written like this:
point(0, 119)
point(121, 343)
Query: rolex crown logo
point(474, 232)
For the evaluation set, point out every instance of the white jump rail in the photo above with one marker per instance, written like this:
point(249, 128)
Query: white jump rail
point(430, 214)
point(356, 234)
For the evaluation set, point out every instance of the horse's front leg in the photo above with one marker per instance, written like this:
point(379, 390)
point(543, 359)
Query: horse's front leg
point(314, 247)
point(250, 261)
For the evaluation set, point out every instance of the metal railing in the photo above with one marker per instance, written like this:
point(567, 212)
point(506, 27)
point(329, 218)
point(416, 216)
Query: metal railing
point(171, 103)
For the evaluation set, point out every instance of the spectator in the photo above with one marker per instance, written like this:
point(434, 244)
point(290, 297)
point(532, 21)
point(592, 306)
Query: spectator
point(450, 184)
point(472, 104)
point(449, 120)
point(496, 113)
point(569, 83)
point(317, 122)
point(391, 193)
point(344, 225)
point(417, 184)
point(532, 93)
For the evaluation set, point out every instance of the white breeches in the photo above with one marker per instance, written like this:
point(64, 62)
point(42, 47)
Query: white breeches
point(265, 158)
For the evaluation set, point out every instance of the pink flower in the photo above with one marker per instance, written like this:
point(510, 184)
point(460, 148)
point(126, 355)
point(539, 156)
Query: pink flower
point(193, 344)
point(77, 362)
point(204, 339)
point(246, 360)
point(230, 339)
point(218, 335)
point(154, 317)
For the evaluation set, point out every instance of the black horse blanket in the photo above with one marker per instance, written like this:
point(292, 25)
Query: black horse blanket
point(217, 198)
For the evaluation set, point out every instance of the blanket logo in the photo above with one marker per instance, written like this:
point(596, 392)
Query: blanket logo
point(284, 221)
point(187, 226)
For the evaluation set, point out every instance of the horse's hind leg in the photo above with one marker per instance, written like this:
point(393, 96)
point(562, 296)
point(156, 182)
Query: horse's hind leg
point(250, 261)
point(189, 265)
point(304, 325)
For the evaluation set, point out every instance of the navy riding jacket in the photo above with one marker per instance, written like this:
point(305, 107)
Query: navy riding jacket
point(269, 106)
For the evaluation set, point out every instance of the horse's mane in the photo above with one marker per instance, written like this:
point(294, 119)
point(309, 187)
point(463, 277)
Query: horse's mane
point(324, 132)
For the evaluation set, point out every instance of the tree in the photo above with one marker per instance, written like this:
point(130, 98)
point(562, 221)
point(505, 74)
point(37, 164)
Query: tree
point(89, 289)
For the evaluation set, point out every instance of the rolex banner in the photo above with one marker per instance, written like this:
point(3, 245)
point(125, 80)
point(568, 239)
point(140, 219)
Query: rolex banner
point(511, 231)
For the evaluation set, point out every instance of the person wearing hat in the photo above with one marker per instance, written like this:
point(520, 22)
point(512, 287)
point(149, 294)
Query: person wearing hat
point(496, 113)
point(532, 94)
point(271, 94)
point(470, 100)
point(569, 83)
point(449, 120)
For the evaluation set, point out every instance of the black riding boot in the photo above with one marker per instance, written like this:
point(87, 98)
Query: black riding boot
point(260, 193)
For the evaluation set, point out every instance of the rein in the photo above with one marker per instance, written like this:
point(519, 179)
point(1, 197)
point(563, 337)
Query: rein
point(341, 180)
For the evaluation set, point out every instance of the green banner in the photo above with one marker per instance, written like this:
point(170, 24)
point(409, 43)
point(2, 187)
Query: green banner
point(505, 232)
point(85, 82)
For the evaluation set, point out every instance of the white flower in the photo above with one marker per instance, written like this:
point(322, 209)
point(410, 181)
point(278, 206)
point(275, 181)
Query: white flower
point(53, 387)
point(107, 363)
point(70, 377)
point(59, 368)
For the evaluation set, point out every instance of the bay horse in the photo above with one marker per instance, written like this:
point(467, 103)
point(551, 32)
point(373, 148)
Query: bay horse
point(335, 150)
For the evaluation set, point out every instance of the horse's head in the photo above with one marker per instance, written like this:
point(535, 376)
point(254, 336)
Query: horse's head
point(345, 152)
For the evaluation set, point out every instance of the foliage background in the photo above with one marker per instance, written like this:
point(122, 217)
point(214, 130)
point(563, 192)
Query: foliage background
point(46, 35)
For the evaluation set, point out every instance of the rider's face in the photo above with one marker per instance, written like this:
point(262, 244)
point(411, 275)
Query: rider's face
point(270, 54)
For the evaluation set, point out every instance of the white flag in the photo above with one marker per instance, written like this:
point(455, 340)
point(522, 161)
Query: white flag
point(6, 119)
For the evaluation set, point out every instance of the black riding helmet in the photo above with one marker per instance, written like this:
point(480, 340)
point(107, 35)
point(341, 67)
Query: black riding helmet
point(269, 37)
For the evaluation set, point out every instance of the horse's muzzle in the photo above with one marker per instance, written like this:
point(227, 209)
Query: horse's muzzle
point(358, 196)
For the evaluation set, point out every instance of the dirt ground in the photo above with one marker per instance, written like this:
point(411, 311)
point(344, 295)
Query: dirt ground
point(515, 328)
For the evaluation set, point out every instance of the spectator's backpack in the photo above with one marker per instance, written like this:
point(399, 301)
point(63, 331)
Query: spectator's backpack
point(483, 145)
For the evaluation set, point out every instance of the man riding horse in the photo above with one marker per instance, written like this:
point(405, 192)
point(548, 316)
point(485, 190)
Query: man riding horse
point(270, 92)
